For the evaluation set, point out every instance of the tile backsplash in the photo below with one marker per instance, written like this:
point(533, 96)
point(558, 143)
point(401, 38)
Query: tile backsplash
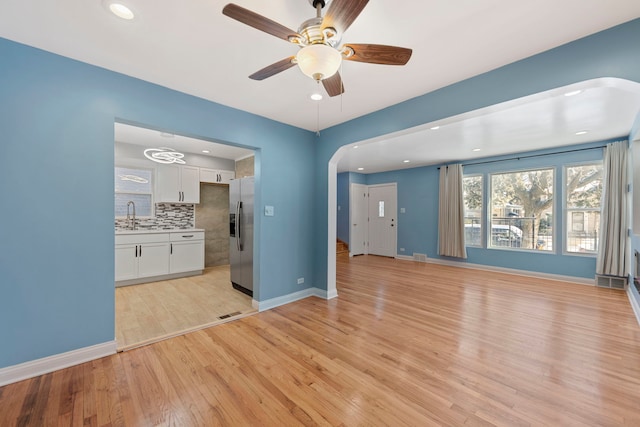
point(168, 216)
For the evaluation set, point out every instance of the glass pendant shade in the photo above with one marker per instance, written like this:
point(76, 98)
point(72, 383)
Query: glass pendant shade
point(319, 61)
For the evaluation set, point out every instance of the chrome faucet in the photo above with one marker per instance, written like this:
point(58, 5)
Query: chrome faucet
point(131, 219)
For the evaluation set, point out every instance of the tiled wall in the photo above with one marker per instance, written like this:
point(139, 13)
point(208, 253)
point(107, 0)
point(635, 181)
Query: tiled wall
point(245, 167)
point(168, 216)
point(212, 215)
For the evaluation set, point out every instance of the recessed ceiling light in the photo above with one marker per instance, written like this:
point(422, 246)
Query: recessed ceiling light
point(435, 128)
point(406, 161)
point(360, 169)
point(572, 93)
point(166, 135)
point(355, 146)
point(476, 149)
point(316, 96)
point(121, 11)
point(206, 151)
point(582, 132)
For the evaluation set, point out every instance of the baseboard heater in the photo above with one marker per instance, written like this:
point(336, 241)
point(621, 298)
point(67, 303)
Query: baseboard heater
point(613, 282)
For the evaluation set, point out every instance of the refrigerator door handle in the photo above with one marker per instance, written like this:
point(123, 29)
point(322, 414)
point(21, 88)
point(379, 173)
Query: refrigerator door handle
point(238, 226)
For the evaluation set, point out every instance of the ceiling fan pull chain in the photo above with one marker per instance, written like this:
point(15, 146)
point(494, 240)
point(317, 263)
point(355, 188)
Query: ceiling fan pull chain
point(341, 89)
point(318, 119)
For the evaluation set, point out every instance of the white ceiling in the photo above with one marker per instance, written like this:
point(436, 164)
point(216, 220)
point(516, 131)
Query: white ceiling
point(604, 109)
point(191, 47)
point(150, 138)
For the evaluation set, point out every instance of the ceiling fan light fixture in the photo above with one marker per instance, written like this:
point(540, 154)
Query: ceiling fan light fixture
point(318, 61)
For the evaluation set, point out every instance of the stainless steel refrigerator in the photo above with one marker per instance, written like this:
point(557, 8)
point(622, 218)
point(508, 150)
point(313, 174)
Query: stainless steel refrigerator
point(241, 234)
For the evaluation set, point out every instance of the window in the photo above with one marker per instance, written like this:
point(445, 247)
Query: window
point(583, 186)
point(472, 194)
point(522, 210)
point(133, 185)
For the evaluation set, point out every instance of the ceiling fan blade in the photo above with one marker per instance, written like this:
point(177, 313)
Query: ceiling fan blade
point(333, 85)
point(379, 54)
point(259, 22)
point(342, 13)
point(273, 69)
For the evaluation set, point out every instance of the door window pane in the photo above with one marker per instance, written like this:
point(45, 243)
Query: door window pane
point(381, 209)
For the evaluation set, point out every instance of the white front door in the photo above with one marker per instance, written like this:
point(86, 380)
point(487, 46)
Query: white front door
point(358, 209)
point(383, 219)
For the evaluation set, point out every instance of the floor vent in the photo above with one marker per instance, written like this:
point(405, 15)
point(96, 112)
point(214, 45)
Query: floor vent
point(613, 282)
point(226, 316)
point(419, 257)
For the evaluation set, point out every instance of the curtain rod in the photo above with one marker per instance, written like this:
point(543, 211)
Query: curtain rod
point(533, 155)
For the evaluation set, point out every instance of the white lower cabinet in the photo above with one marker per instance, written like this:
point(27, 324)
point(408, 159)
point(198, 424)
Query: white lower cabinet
point(152, 259)
point(153, 255)
point(141, 255)
point(126, 262)
point(187, 252)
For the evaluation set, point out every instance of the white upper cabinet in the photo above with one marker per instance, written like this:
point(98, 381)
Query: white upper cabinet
point(216, 176)
point(177, 184)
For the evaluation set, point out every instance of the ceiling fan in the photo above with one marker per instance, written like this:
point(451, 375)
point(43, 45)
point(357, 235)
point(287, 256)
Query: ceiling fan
point(319, 38)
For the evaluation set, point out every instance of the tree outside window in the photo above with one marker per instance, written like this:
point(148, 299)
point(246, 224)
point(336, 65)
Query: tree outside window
point(472, 194)
point(583, 187)
point(522, 210)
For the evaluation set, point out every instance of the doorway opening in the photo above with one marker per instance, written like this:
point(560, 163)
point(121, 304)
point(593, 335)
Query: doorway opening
point(173, 269)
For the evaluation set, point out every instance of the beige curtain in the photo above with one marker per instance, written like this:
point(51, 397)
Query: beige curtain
point(451, 213)
point(613, 245)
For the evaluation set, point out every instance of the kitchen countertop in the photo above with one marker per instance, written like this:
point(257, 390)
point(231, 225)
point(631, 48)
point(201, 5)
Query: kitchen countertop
point(173, 230)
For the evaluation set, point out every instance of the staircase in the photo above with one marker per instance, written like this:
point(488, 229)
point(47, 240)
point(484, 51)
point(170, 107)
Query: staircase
point(341, 247)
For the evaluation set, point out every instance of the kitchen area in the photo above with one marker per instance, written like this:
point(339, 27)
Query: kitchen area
point(182, 231)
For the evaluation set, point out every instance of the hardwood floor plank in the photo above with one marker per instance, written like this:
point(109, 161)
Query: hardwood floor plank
point(405, 343)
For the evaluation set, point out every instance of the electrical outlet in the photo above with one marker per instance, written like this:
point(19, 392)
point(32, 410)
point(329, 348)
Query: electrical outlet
point(300, 280)
point(401, 249)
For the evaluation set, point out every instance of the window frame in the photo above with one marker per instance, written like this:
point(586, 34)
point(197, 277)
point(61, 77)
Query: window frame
point(566, 210)
point(489, 210)
point(151, 193)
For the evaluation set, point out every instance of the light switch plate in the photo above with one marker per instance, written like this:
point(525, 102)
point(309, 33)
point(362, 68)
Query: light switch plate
point(269, 211)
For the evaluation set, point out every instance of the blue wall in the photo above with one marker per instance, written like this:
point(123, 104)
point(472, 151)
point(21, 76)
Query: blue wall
point(418, 226)
point(56, 170)
point(56, 174)
point(611, 53)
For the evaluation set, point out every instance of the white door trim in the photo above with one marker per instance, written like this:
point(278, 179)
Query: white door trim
point(354, 192)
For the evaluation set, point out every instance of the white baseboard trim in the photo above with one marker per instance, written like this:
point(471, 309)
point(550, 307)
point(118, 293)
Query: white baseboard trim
point(560, 277)
point(635, 304)
point(295, 296)
point(23, 371)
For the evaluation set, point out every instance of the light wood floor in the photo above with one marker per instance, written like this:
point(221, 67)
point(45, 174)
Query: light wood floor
point(151, 312)
point(404, 344)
